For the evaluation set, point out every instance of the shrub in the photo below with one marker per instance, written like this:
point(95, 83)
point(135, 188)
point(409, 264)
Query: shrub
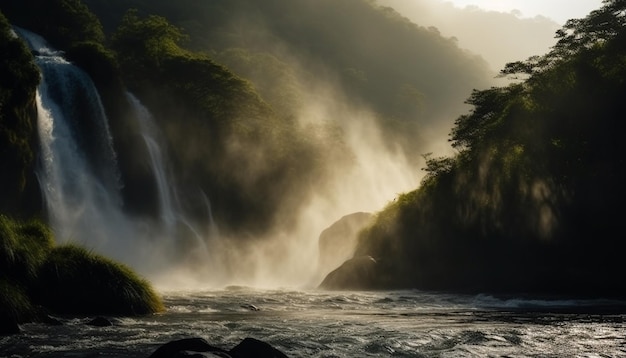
point(23, 248)
point(74, 280)
point(15, 306)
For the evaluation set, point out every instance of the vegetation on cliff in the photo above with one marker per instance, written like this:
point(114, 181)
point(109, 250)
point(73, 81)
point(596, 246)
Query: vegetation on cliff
point(530, 202)
point(19, 77)
point(533, 200)
point(38, 277)
point(234, 133)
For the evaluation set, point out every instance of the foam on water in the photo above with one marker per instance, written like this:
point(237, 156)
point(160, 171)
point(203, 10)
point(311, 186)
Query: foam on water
point(343, 324)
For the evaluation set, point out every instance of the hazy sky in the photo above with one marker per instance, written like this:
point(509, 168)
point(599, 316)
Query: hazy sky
point(558, 10)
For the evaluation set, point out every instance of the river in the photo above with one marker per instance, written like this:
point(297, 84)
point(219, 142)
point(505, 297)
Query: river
point(311, 323)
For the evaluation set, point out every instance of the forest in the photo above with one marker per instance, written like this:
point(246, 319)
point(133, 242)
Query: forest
point(527, 199)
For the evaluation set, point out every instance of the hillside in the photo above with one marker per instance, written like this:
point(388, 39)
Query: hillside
point(238, 88)
point(532, 203)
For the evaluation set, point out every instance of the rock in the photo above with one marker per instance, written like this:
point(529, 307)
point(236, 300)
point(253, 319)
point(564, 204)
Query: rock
point(188, 354)
point(100, 322)
point(253, 348)
point(199, 348)
point(355, 274)
point(51, 321)
point(8, 326)
point(338, 241)
point(185, 347)
point(250, 307)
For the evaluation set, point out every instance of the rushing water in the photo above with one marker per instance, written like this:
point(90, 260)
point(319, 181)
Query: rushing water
point(347, 324)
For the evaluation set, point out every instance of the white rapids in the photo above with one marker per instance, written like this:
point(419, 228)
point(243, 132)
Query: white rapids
point(314, 323)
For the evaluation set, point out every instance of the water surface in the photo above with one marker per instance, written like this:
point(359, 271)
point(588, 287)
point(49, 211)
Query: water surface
point(347, 324)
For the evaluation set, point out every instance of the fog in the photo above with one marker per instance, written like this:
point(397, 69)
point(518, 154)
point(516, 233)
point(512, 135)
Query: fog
point(366, 175)
point(498, 37)
point(369, 94)
point(374, 164)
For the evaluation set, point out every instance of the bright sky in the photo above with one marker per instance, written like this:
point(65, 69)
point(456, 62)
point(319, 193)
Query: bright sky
point(558, 10)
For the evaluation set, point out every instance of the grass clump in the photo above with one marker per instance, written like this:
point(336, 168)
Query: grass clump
point(36, 276)
point(15, 305)
point(23, 247)
point(74, 280)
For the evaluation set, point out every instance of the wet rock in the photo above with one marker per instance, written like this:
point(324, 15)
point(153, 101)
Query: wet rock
point(100, 322)
point(250, 307)
point(250, 347)
point(338, 241)
point(357, 273)
point(51, 321)
point(8, 326)
point(187, 354)
point(188, 347)
point(200, 348)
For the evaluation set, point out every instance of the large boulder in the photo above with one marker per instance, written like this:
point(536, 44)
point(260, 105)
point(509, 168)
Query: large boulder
point(250, 347)
point(358, 273)
point(183, 347)
point(200, 348)
point(338, 242)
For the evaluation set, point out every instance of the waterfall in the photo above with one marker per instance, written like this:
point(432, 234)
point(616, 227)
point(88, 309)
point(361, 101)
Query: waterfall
point(81, 182)
point(151, 137)
point(78, 171)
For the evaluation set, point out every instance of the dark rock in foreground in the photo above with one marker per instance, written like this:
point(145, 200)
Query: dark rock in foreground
point(355, 274)
point(100, 322)
point(8, 326)
point(198, 347)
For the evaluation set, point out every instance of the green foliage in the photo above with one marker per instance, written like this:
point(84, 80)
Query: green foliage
point(489, 107)
point(15, 305)
point(74, 280)
point(143, 43)
point(404, 72)
point(63, 279)
point(64, 22)
point(23, 247)
point(436, 167)
point(533, 199)
point(19, 78)
point(274, 79)
point(600, 27)
point(97, 60)
point(225, 120)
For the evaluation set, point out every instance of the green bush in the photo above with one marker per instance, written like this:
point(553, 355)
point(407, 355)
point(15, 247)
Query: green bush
point(23, 248)
point(74, 280)
point(63, 279)
point(15, 306)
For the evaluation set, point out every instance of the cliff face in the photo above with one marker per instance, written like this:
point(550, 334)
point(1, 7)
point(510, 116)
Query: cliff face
point(18, 126)
point(532, 202)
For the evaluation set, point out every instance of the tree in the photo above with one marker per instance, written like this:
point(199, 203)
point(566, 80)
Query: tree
point(145, 42)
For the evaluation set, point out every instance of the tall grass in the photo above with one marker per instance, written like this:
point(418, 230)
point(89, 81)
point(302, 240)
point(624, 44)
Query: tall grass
point(23, 248)
point(34, 274)
point(15, 305)
point(74, 280)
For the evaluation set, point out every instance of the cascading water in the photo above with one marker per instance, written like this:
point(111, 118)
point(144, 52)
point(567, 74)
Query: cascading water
point(79, 175)
point(82, 189)
point(150, 136)
point(171, 214)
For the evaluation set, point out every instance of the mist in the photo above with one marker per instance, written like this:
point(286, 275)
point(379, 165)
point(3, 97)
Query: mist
point(362, 109)
point(324, 121)
point(498, 37)
point(364, 174)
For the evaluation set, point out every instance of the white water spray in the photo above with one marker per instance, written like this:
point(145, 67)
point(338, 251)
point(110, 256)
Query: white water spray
point(79, 175)
point(85, 206)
